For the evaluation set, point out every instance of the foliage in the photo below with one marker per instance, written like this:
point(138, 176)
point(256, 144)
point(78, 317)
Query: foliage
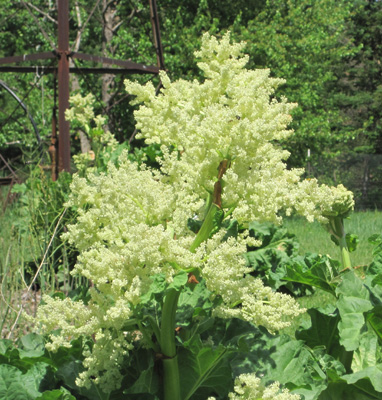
point(318, 48)
point(348, 333)
point(20, 35)
point(304, 43)
point(28, 371)
point(336, 355)
point(326, 50)
point(359, 91)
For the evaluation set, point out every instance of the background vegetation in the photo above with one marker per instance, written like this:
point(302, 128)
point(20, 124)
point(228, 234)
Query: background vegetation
point(328, 51)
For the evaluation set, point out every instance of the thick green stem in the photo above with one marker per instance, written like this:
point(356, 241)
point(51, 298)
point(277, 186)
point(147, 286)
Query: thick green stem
point(206, 228)
point(171, 380)
point(345, 255)
point(214, 206)
point(339, 231)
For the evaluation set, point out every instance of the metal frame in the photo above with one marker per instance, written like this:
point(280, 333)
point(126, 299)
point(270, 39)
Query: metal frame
point(62, 53)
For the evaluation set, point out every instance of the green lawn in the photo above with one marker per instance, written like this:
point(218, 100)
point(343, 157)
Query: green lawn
point(314, 238)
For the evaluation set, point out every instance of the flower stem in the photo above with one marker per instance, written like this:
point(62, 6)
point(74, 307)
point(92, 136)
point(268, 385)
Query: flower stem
point(207, 226)
point(171, 380)
point(339, 231)
point(214, 206)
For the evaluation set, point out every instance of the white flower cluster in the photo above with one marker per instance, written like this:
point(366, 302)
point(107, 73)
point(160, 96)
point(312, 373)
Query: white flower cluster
point(97, 320)
point(218, 141)
point(102, 143)
point(82, 110)
point(321, 202)
point(226, 275)
point(230, 116)
point(249, 387)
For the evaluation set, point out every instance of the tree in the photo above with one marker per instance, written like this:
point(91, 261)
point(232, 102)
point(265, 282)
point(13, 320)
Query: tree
point(21, 35)
point(319, 47)
point(304, 42)
point(360, 88)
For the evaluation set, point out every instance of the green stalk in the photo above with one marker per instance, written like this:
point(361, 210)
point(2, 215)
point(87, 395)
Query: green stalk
point(345, 255)
point(339, 231)
point(171, 380)
point(206, 228)
point(214, 206)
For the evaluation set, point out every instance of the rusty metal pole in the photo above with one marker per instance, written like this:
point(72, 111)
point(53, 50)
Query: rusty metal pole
point(156, 31)
point(63, 85)
point(53, 141)
point(62, 53)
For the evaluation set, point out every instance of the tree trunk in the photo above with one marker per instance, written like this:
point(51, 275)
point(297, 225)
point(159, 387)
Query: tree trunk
point(108, 50)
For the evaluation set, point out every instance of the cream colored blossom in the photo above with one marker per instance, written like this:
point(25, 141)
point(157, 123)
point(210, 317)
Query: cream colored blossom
point(232, 116)
point(97, 320)
point(227, 276)
point(81, 109)
point(321, 202)
point(249, 387)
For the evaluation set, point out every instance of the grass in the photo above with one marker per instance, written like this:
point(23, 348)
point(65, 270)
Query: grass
point(23, 262)
point(315, 239)
point(16, 248)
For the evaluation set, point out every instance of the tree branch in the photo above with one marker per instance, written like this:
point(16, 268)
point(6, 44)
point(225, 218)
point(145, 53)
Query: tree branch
point(46, 36)
point(42, 12)
point(86, 22)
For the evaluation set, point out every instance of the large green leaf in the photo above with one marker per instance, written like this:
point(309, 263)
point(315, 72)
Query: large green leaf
point(291, 359)
point(374, 318)
point(353, 302)
point(58, 394)
point(268, 263)
point(277, 246)
point(203, 371)
point(367, 353)
point(68, 373)
point(313, 270)
point(31, 345)
point(329, 365)
point(342, 390)
point(147, 382)
point(296, 367)
point(322, 332)
point(363, 377)
point(194, 306)
point(179, 280)
point(251, 346)
point(157, 286)
point(361, 385)
point(141, 377)
point(5, 346)
point(14, 385)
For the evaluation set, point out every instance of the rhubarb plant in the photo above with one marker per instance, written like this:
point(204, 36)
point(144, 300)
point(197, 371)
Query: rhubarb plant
point(163, 248)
